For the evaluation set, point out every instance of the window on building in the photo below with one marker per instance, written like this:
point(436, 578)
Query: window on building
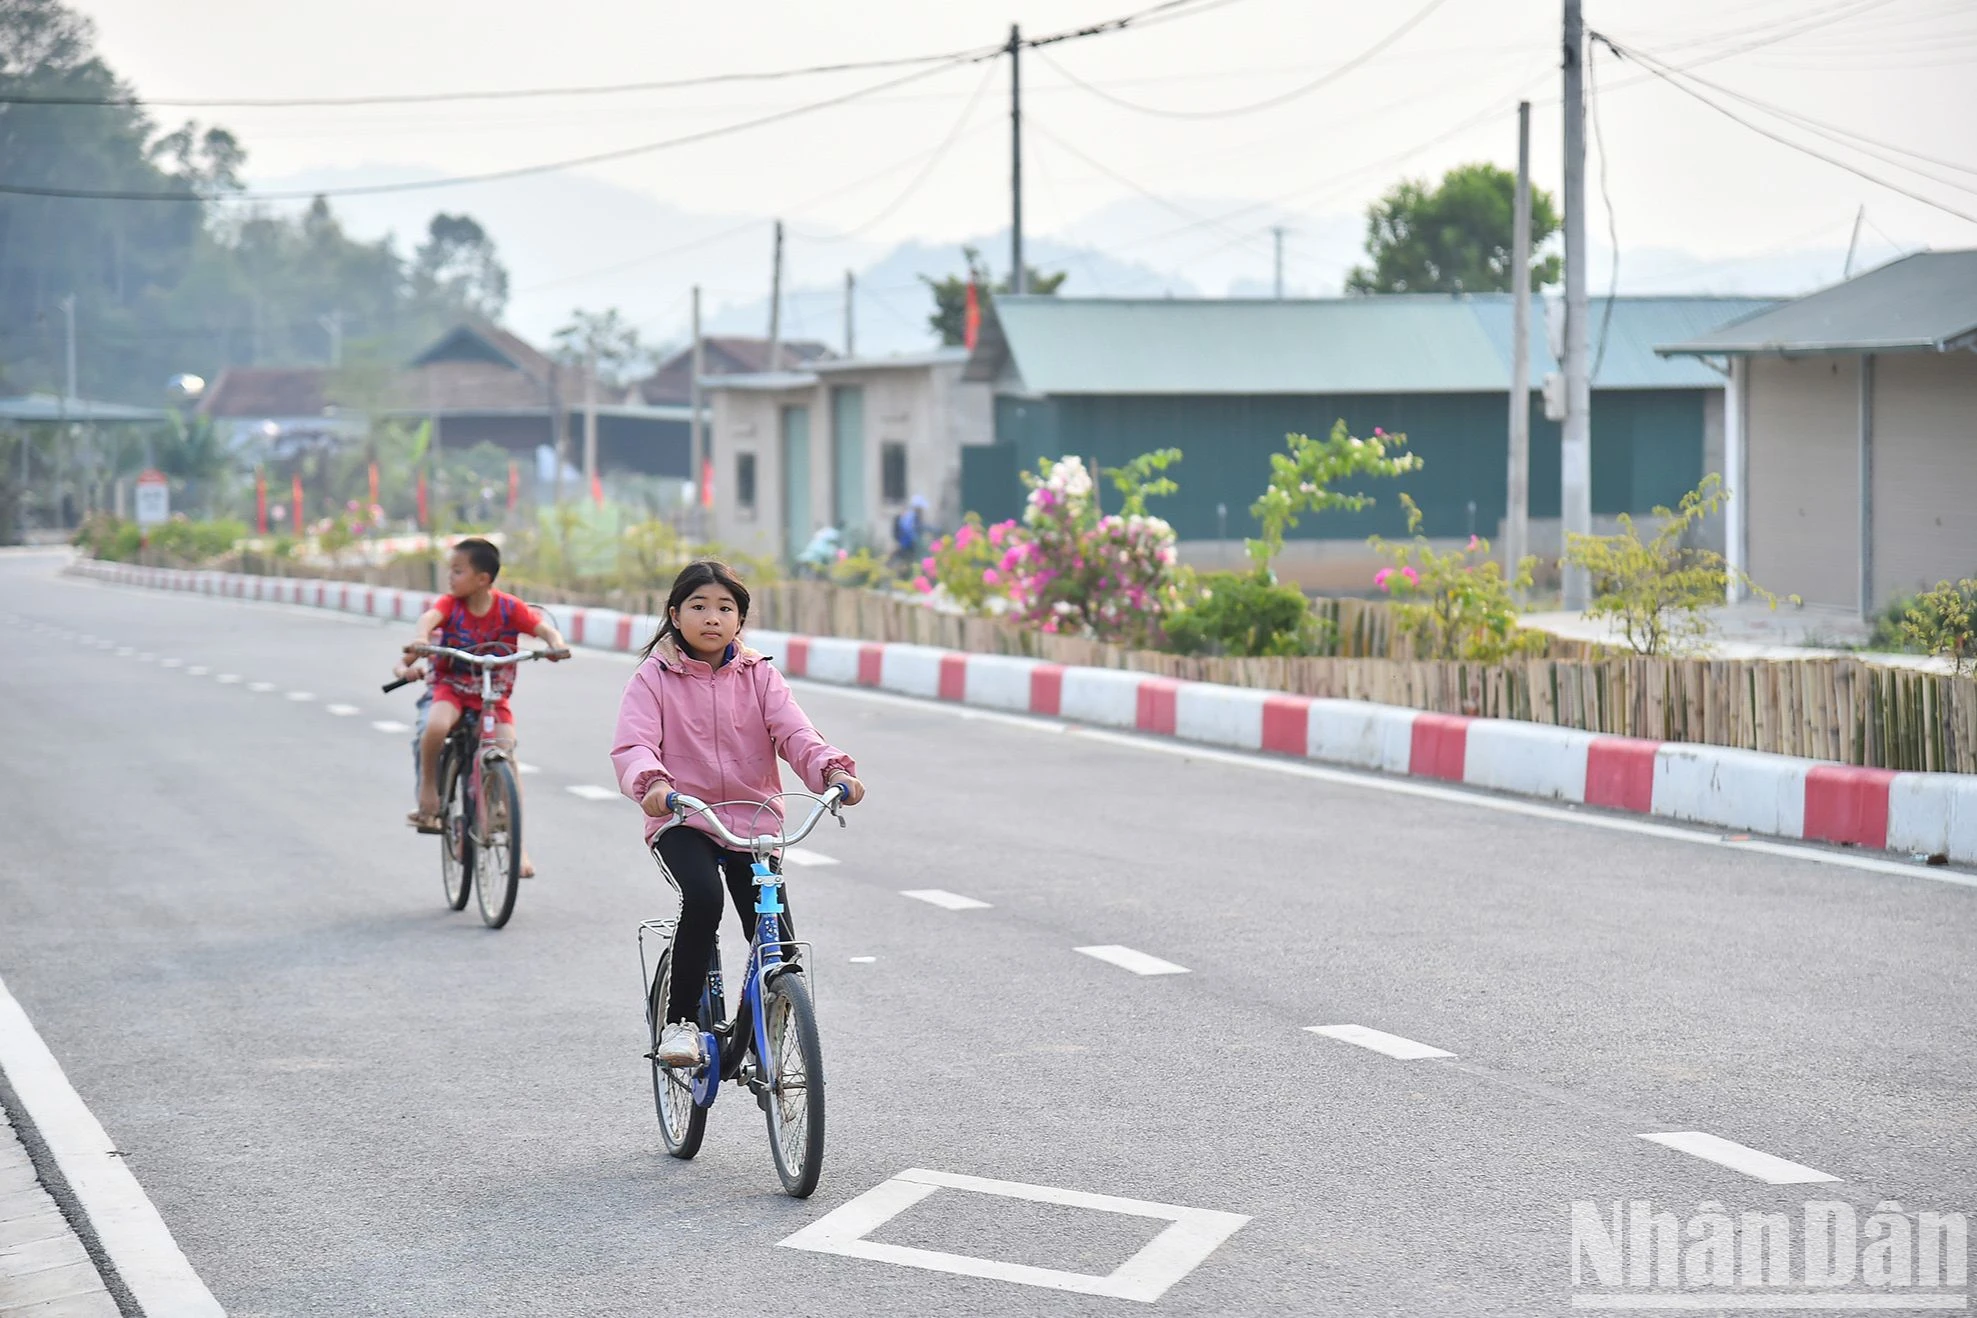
point(892, 472)
point(745, 481)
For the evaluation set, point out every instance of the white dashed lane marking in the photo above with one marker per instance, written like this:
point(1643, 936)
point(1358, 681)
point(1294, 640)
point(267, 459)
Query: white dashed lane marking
point(260, 686)
point(1379, 1041)
point(341, 711)
point(805, 856)
point(1728, 1153)
point(227, 679)
point(529, 768)
point(171, 663)
point(941, 897)
point(863, 960)
point(591, 792)
point(389, 725)
point(125, 652)
point(301, 695)
point(197, 670)
point(1127, 959)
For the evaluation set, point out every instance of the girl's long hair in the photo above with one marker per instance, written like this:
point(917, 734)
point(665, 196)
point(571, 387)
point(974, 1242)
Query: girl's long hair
point(700, 572)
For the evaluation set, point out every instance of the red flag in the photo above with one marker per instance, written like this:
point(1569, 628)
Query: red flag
point(374, 484)
point(260, 501)
point(596, 489)
point(972, 318)
point(422, 500)
point(296, 489)
point(707, 482)
point(514, 485)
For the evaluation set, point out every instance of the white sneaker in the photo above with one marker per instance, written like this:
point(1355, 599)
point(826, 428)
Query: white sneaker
point(680, 1045)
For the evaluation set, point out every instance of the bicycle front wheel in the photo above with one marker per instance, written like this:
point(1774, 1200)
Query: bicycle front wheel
point(456, 846)
point(498, 867)
point(682, 1122)
point(794, 1072)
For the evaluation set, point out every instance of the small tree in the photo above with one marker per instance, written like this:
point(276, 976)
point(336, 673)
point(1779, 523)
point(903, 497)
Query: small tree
point(1301, 481)
point(1660, 591)
point(1453, 237)
point(949, 318)
point(1144, 478)
point(1943, 622)
point(1455, 604)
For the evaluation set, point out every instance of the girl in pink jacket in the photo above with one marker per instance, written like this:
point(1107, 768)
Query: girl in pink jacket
point(706, 716)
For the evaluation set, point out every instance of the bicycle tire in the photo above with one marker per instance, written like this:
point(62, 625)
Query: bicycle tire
point(498, 866)
point(796, 1122)
point(456, 844)
point(682, 1122)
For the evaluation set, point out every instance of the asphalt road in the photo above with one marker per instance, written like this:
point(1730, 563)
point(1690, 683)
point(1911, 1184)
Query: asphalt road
point(346, 1100)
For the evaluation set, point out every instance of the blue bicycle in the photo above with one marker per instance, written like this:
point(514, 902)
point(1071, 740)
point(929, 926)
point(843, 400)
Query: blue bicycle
point(771, 1045)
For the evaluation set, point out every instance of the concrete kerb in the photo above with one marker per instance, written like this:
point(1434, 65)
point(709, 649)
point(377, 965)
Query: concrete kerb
point(1913, 813)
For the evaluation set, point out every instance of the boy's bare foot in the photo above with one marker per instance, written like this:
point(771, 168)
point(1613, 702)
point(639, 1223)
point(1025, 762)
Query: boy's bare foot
point(528, 866)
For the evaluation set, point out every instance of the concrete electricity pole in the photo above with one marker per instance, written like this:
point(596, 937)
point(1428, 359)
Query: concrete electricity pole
point(1575, 457)
point(1517, 506)
point(850, 337)
point(1019, 279)
point(776, 304)
point(697, 434)
point(1277, 233)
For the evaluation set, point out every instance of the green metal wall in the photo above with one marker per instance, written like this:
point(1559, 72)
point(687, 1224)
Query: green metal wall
point(1647, 449)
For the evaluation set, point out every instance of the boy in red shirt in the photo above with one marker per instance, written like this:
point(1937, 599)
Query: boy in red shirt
point(472, 613)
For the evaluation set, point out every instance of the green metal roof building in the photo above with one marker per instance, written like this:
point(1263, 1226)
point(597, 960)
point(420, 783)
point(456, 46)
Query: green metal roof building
point(1225, 381)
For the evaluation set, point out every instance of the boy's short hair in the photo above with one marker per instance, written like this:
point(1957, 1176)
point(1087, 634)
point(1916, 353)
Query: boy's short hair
point(482, 554)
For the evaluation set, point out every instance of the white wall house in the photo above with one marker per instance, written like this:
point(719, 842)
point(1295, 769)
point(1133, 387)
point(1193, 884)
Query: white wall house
point(845, 443)
point(1851, 429)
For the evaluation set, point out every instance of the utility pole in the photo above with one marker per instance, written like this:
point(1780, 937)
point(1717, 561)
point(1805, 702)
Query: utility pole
point(1019, 279)
point(590, 419)
point(697, 435)
point(1277, 233)
point(1517, 506)
point(1575, 457)
point(333, 324)
point(68, 392)
point(850, 338)
point(776, 304)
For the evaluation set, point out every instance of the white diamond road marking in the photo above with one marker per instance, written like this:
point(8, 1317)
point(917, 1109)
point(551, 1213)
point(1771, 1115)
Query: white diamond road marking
point(301, 695)
point(806, 857)
point(197, 670)
point(227, 679)
point(1379, 1041)
point(1728, 1153)
point(260, 686)
point(591, 792)
point(341, 711)
point(390, 725)
point(941, 897)
point(1137, 962)
point(1191, 1236)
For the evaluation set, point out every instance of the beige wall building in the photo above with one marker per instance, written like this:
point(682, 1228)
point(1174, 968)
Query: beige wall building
point(1851, 434)
point(845, 443)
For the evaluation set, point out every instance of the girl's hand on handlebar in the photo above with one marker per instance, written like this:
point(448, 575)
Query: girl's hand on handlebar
point(654, 802)
point(854, 791)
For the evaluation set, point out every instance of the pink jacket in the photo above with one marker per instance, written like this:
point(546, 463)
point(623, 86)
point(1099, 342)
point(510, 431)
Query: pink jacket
point(715, 733)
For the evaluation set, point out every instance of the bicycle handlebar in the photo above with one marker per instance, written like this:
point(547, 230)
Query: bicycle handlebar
point(469, 657)
point(833, 797)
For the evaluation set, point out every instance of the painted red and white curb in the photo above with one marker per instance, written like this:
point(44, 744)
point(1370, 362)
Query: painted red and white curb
point(1933, 814)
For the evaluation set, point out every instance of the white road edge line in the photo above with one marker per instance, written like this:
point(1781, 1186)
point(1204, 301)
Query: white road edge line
point(941, 897)
point(1586, 817)
point(1738, 1158)
point(591, 792)
point(1379, 1041)
point(1127, 959)
point(1192, 1234)
point(126, 1223)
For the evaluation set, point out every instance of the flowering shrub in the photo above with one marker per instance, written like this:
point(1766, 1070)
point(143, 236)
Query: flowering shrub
point(1301, 480)
point(968, 565)
point(1072, 570)
point(1246, 615)
point(1456, 604)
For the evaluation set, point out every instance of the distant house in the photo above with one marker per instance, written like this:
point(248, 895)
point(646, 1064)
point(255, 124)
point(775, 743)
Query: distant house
point(1853, 433)
point(1224, 381)
point(847, 442)
point(477, 384)
point(672, 383)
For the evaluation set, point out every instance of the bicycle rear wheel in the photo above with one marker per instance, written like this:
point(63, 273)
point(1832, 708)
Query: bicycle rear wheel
point(498, 866)
point(682, 1122)
point(456, 846)
point(794, 1072)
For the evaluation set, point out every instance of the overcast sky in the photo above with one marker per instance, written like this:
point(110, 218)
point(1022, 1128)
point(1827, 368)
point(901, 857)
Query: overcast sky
point(930, 160)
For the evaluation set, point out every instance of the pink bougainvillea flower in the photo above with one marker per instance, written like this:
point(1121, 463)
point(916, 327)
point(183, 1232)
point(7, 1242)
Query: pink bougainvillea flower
point(843, 554)
point(928, 566)
point(991, 577)
point(997, 533)
point(1383, 576)
point(1475, 543)
point(1413, 577)
point(965, 536)
point(924, 586)
point(1377, 431)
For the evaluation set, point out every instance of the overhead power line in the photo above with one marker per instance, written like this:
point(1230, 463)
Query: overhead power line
point(1269, 102)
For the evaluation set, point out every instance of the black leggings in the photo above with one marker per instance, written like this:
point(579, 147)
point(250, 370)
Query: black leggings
point(696, 864)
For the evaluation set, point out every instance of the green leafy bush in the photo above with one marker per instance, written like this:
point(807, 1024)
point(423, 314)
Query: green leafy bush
point(1943, 622)
point(1243, 614)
